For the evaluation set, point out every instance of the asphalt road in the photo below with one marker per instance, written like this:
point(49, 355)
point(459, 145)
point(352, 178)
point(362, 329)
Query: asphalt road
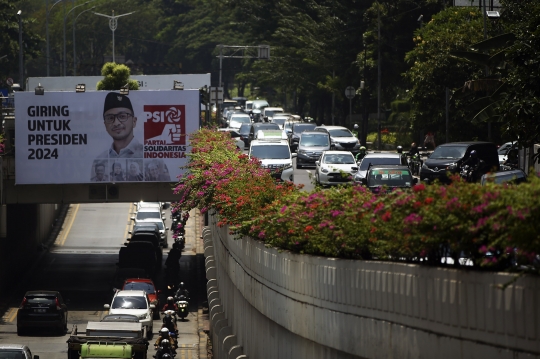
point(80, 265)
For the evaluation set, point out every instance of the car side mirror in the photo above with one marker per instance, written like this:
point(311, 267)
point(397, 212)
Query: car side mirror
point(106, 306)
point(294, 154)
point(152, 306)
point(132, 218)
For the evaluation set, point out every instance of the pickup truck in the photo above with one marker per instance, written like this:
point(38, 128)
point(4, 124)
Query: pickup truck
point(119, 340)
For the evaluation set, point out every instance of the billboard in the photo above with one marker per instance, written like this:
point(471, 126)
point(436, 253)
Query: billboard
point(69, 137)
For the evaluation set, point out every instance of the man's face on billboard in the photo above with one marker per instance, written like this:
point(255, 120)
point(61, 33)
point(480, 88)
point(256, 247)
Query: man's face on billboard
point(117, 129)
point(100, 171)
point(133, 169)
point(153, 170)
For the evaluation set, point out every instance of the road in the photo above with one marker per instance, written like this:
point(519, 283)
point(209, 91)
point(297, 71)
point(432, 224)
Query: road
point(80, 265)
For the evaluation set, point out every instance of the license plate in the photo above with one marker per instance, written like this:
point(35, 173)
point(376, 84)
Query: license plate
point(40, 310)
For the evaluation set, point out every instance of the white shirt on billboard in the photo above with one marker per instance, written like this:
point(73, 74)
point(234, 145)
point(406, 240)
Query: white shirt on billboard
point(133, 150)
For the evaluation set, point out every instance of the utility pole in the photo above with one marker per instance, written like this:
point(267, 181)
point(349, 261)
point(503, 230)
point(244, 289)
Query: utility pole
point(21, 73)
point(113, 24)
point(379, 77)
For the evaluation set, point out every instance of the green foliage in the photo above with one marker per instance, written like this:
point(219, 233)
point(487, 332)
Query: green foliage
point(115, 77)
point(432, 70)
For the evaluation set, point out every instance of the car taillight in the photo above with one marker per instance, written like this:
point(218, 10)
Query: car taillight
point(23, 303)
point(58, 307)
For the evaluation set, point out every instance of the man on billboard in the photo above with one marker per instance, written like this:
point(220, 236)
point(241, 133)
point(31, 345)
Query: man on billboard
point(99, 172)
point(120, 120)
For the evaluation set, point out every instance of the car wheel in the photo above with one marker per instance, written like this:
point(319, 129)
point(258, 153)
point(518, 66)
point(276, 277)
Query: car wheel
point(317, 180)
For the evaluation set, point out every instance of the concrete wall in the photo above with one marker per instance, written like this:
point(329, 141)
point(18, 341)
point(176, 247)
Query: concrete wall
point(270, 304)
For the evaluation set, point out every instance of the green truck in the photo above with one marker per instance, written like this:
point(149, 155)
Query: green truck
point(118, 340)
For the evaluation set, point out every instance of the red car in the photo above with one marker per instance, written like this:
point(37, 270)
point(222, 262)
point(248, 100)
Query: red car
point(148, 286)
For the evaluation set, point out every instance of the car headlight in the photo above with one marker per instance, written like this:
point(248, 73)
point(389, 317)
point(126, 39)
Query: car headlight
point(143, 316)
point(324, 170)
point(452, 167)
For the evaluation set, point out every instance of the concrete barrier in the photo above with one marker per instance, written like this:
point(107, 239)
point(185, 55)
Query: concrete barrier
point(284, 305)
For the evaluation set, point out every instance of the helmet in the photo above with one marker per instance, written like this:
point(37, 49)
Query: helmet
point(474, 154)
point(166, 356)
point(181, 285)
point(362, 149)
point(399, 149)
point(170, 299)
point(165, 343)
point(164, 331)
point(356, 126)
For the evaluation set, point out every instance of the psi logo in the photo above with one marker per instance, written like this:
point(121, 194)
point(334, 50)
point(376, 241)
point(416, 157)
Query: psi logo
point(165, 125)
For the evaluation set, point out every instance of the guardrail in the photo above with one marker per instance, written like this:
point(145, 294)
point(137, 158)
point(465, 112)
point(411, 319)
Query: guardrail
point(266, 303)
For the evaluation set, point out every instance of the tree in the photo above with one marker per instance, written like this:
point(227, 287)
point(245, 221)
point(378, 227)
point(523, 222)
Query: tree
point(116, 76)
point(433, 69)
point(9, 38)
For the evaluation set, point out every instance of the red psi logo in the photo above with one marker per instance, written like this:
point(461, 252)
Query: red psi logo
point(165, 125)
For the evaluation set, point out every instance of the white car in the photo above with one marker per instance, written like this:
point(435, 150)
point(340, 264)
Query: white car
point(145, 213)
point(133, 302)
point(142, 204)
point(335, 167)
point(237, 119)
point(275, 155)
point(503, 151)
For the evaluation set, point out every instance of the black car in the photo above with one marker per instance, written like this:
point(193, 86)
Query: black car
point(244, 133)
point(448, 158)
point(296, 130)
point(42, 308)
point(255, 127)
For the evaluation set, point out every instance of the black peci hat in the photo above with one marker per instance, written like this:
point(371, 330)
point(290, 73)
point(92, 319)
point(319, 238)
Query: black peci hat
point(114, 100)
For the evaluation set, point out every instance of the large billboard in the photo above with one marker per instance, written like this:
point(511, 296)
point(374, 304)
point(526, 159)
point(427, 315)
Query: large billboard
point(68, 137)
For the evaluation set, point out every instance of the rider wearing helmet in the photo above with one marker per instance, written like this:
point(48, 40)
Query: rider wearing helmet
point(355, 130)
point(164, 340)
point(361, 153)
point(182, 291)
point(475, 163)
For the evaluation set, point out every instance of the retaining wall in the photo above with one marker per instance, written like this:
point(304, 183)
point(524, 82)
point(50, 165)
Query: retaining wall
point(268, 304)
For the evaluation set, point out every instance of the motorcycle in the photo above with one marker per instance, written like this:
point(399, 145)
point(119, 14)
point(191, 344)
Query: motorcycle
point(182, 305)
point(413, 162)
point(467, 173)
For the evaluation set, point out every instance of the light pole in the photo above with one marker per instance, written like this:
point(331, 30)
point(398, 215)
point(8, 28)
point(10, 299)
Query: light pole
point(74, 53)
point(65, 16)
point(378, 76)
point(47, 29)
point(21, 83)
point(113, 24)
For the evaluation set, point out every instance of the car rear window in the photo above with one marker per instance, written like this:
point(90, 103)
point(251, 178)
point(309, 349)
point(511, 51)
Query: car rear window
point(41, 300)
point(129, 303)
point(11, 354)
point(148, 288)
point(379, 161)
point(321, 140)
point(145, 215)
point(304, 127)
point(340, 133)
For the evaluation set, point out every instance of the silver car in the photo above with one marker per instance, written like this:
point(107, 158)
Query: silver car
point(342, 138)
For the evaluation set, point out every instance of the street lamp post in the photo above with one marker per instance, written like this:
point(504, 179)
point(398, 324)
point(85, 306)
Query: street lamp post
point(65, 16)
point(47, 29)
point(20, 50)
point(113, 24)
point(74, 52)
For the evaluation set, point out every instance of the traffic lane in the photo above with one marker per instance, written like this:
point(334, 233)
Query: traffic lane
point(302, 176)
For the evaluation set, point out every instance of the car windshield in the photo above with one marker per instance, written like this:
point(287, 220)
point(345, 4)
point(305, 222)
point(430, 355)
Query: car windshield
point(342, 159)
point(313, 140)
point(129, 303)
point(267, 126)
point(11, 354)
point(390, 178)
point(244, 128)
point(342, 132)
point(241, 119)
point(304, 127)
point(147, 287)
point(448, 152)
point(267, 152)
point(364, 165)
point(279, 121)
point(145, 215)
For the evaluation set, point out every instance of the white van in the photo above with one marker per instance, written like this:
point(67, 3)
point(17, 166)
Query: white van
point(275, 155)
point(268, 113)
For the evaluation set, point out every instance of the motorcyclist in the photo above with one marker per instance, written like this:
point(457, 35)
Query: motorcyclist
point(173, 257)
point(414, 154)
point(355, 130)
point(475, 164)
point(513, 158)
point(182, 291)
point(361, 153)
point(170, 305)
point(169, 323)
point(164, 342)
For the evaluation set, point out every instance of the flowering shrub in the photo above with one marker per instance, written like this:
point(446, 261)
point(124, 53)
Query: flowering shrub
point(494, 225)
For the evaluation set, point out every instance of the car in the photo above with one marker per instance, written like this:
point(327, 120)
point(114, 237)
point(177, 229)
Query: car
point(143, 204)
point(134, 302)
point(237, 119)
point(150, 237)
point(244, 133)
point(296, 129)
point(255, 127)
point(148, 213)
point(124, 318)
point(236, 111)
point(269, 112)
point(163, 229)
point(275, 155)
point(16, 351)
point(515, 176)
point(310, 147)
point(389, 176)
point(259, 104)
point(376, 158)
point(149, 287)
point(504, 149)
point(42, 308)
point(342, 138)
point(335, 167)
point(249, 105)
point(448, 158)
point(280, 119)
point(235, 135)
point(287, 126)
point(122, 274)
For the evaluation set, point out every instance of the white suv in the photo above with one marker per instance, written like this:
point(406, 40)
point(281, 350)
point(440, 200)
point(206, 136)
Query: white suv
point(342, 138)
point(275, 155)
point(134, 302)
